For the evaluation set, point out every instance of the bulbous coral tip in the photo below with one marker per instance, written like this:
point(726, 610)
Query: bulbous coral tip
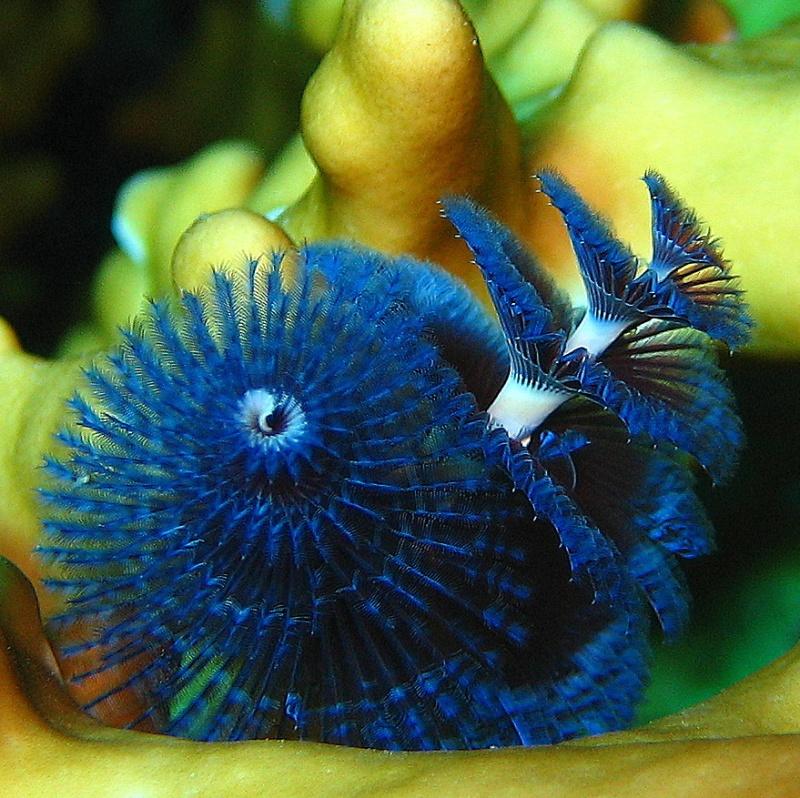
point(136, 212)
point(397, 72)
point(223, 239)
point(418, 40)
point(8, 338)
point(401, 111)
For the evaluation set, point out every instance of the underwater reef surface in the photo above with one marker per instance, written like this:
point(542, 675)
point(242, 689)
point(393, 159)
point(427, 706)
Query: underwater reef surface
point(405, 108)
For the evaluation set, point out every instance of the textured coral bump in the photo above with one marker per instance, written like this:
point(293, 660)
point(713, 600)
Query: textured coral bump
point(353, 506)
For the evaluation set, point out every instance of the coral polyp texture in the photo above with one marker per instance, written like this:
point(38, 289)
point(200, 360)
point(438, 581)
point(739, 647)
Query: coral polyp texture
point(348, 504)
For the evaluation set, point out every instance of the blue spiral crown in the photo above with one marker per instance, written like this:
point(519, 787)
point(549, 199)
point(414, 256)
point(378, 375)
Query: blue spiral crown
point(352, 507)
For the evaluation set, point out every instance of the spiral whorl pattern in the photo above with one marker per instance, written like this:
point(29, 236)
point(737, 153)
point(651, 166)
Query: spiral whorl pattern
point(277, 515)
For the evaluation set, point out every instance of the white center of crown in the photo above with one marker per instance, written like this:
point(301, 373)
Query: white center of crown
point(272, 420)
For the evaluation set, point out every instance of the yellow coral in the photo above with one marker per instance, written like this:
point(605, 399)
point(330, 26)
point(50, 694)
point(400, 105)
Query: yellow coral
point(403, 110)
point(31, 410)
point(223, 239)
point(744, 742)
point(721, 121)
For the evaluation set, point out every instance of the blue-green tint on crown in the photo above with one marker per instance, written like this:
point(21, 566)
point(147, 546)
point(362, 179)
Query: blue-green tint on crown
point(281, 514)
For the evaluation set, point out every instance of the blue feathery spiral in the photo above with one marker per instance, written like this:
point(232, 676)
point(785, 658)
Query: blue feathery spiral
point(355, 507)
point(601, 410)
point(279, 513)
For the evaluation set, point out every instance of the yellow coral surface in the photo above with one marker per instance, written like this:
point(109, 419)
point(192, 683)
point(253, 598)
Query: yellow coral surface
point(404, 109)
point(746, 742)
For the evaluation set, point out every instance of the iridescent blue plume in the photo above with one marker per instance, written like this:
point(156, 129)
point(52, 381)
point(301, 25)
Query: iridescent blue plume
point(693, 277)
point(592, 556)
point(531, 392)
point(534, 339)
point(279, 513)
point(465, 335)
point(662, 379)
point(493, 243)
point(616, 297)
point(356, 508)
point(642, 499)
point(598, 418)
